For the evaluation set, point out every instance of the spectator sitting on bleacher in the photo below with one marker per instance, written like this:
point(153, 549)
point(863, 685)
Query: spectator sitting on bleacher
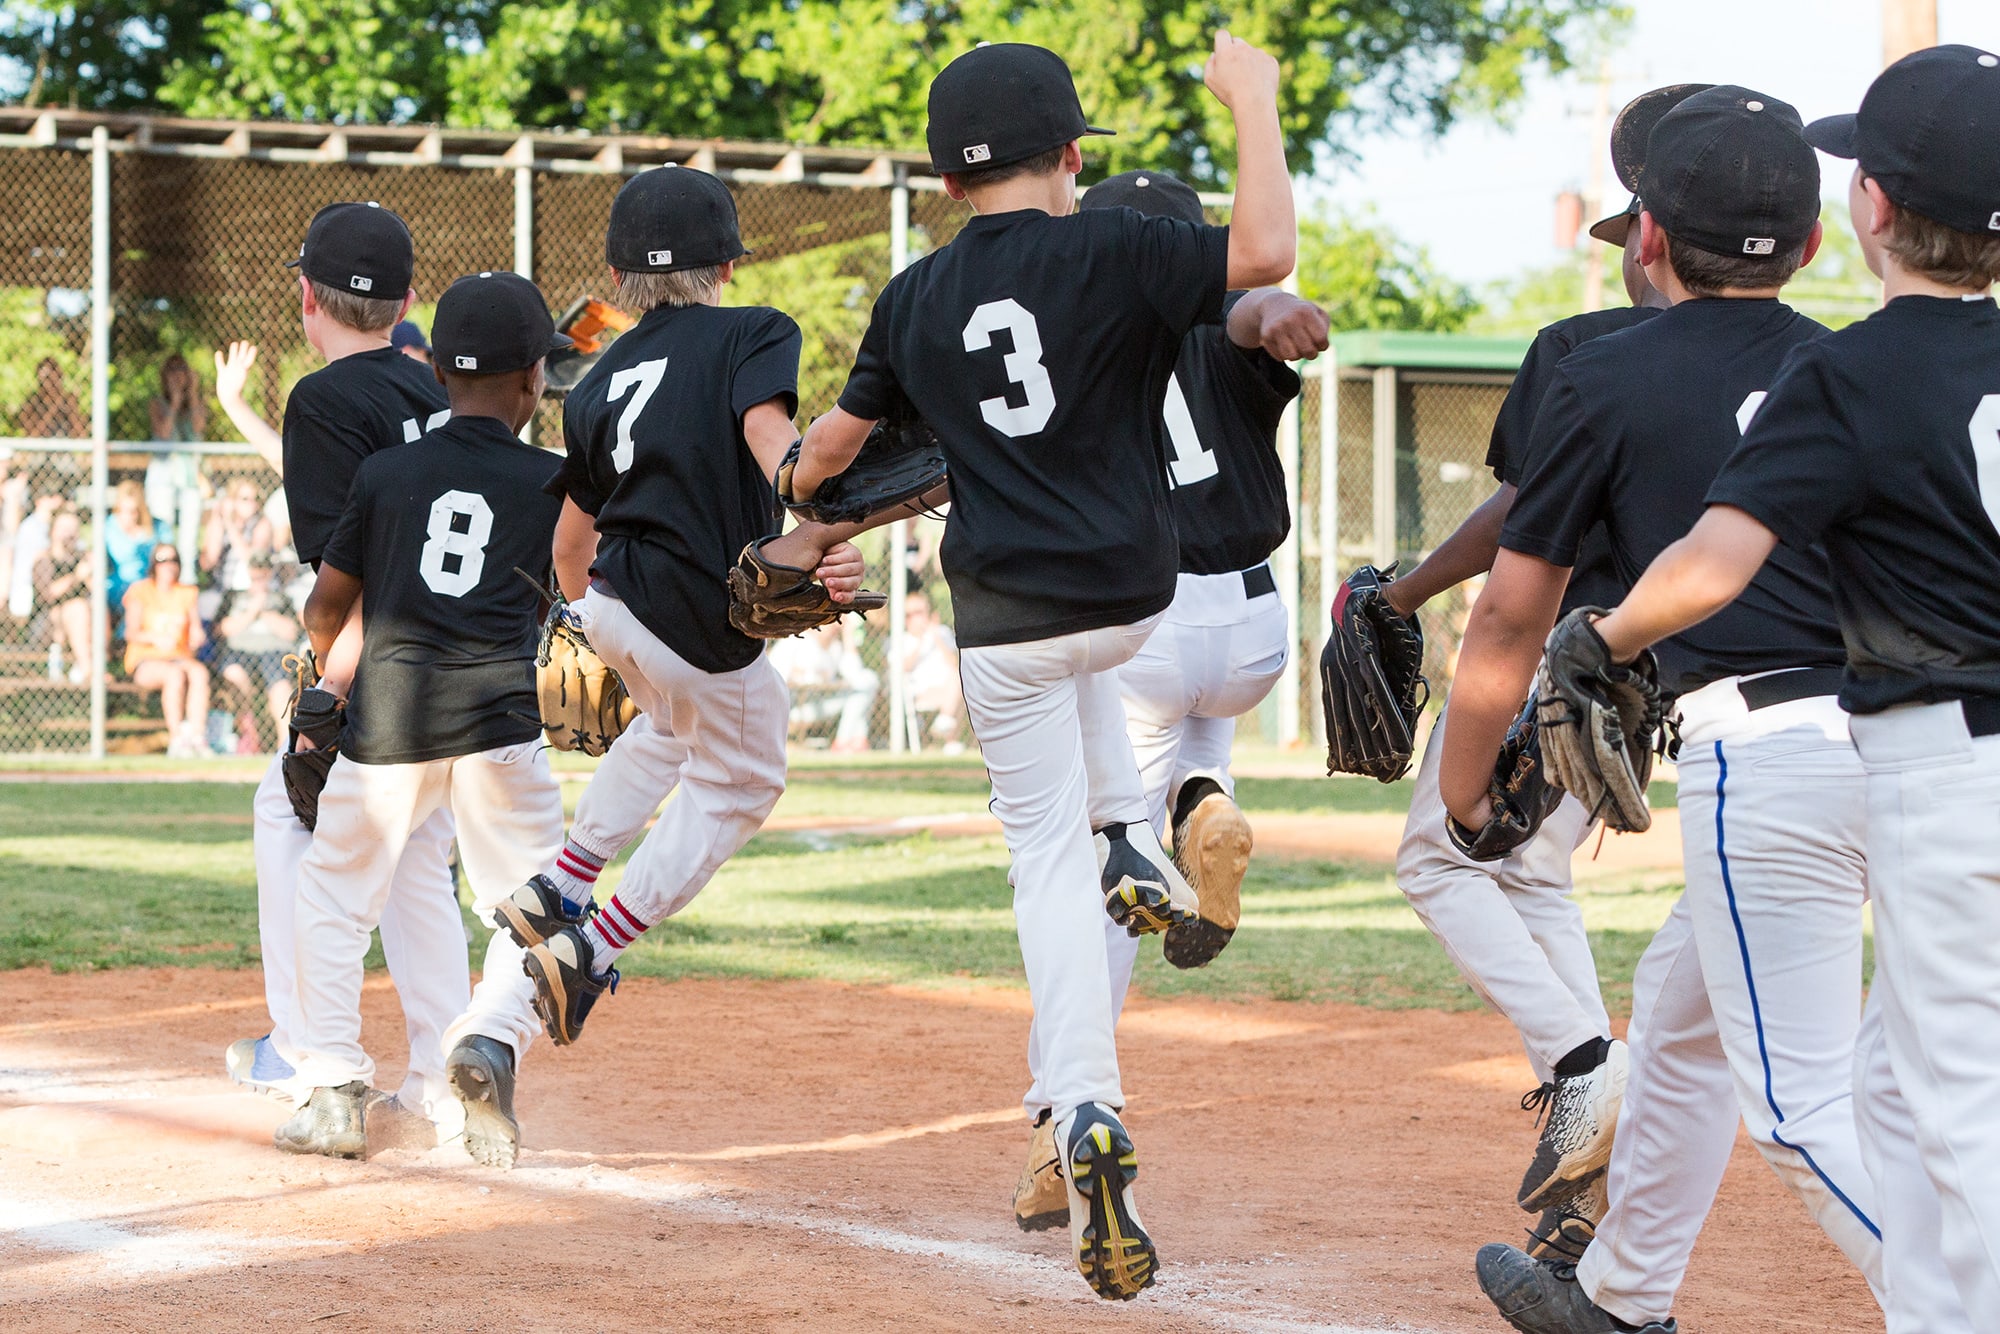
point(236, 532)
point(258, 627)
point(62, 593)
point(31, 539)
point(129, 540)
point(162, 632)
point(930, 670)
point(827, 680)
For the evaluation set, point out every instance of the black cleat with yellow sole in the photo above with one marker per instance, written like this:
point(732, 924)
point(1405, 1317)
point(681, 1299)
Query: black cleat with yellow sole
point(1144, 891)
point(1113, 1252)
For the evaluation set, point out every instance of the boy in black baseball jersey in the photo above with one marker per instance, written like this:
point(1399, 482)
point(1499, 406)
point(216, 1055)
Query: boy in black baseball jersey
point(1757, 972)
point(673, 438)
point(1038, 345)
point(355, 269)
point(441, 714)
point(1222, 643)
point(1510, 925)
point(1882, 441)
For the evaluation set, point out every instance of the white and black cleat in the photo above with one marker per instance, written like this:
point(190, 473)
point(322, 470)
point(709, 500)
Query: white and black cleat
point(481, 1071)
point(536, 911)
point(1113, 1252)
point(567, 983)
point(1575, 1144)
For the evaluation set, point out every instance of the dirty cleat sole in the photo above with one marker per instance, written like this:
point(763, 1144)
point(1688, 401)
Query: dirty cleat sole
point(481, 1071)
point(1212, 849)
point(1113, 1252)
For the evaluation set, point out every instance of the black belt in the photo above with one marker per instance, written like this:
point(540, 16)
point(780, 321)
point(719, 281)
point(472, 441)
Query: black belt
point(1982, 715)
point(1783, 687)
point(1258, 580)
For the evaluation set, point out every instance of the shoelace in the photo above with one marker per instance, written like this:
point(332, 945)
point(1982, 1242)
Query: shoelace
point(1539, 1101)
point(1561, 1250)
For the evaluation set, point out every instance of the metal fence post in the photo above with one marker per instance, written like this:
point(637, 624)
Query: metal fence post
point(524, 213)
point(1329, 497)
point(100, 423)
point(1385, 465)
point(899, 531)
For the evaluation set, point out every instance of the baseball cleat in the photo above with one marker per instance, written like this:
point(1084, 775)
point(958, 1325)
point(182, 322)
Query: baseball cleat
point(1211, 849)
point(1113, 1252)
point(1143, 891)
point(536, 911)
point(1040, 1201)
point(1542, 1296)
point(566, 985)
point(255, 1063)
point(333, 1123)
point(481, 1070)
point(1576, 1139)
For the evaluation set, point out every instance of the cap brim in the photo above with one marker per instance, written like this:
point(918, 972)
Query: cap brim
point(1612, 230)
point(294, 263)
point(559, 341)
point(1093, 129)
point(1834, 134)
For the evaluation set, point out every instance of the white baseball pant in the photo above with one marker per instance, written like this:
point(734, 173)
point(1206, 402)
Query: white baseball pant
point(1773, 811)
point(717, 736)
point(1052, 730)
point(420, 923)
point(1510, 926)
point(509, 810)
point(1934, 861)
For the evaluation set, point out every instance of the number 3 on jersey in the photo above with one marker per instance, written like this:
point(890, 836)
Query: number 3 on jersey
point(447, 540)
point(1024, 367)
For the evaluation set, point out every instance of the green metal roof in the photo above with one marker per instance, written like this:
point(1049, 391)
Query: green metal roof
point(1429, 351)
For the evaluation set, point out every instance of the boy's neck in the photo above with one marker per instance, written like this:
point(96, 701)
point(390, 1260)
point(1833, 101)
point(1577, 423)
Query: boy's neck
point(1053, 193)
point(337, 341)
point(1899, 281)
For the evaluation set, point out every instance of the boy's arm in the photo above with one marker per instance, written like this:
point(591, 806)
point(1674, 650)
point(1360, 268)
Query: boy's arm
point(1466, 554)
point(1496, 664)
point(831, 443)
point(1690, 581)
point(768, 430)
point(575, 548)
point(334, 594)
point(1286, 327)
point(1263, 232)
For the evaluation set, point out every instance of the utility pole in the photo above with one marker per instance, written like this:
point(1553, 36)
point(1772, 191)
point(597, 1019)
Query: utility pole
point(1593, 199)
point(1907, 25)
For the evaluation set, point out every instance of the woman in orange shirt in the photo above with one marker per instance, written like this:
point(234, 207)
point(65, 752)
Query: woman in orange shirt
point(162, 632)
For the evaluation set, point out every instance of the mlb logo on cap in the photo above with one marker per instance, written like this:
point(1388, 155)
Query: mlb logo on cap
point(1994, 224)
point(466, 363)
point(1760, 245)
point(659, 256)
point(978, 153)
point(360, 284)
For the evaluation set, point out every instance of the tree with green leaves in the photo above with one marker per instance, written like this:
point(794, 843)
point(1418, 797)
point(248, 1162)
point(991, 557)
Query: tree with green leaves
point(809, 71)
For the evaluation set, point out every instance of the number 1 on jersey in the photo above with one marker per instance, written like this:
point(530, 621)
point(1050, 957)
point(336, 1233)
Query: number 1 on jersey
point(1191, 462)
point(646, 375)
point(1985, 428)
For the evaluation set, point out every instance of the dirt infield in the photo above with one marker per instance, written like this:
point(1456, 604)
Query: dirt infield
point(802, 1156)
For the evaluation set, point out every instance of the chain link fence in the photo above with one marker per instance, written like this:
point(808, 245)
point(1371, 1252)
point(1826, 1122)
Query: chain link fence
point(192, 224)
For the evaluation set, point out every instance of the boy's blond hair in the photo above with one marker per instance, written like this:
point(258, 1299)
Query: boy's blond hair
point(1943, 254)
point(364, 314)
point(641, 292)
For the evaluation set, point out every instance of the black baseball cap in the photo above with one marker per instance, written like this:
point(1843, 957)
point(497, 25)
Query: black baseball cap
point(1153, 193)
point(360, 248)
point(1630, 131)
point(1928, 132)
point(669, 218)
point(1001, 102)
point(1729, 171)
point(407, 334)
point(491, 322)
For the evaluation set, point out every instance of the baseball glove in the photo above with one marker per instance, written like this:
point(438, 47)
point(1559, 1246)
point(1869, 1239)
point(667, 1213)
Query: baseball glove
point(318, 716)
point(899, 462)
point(1371, 677)
point(1599, 721)
point(583, 703)
point(772, 601)
point(1520, 792)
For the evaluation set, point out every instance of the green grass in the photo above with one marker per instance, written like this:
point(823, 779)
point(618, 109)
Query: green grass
point(125, 874)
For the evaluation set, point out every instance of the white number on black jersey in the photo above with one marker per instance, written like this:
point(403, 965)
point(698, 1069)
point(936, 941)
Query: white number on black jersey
point(1024, 367)
point(1191, 462)
point(412, 431)
point(1985, 429)
point(646, 375)
point(447, 540)
point(1748, 412)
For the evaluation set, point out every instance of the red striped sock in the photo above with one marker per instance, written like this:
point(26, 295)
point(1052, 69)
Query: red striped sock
point(612, 931)
point(575, 873)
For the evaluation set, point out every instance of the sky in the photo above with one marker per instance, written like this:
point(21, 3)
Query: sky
point(1819, 55)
